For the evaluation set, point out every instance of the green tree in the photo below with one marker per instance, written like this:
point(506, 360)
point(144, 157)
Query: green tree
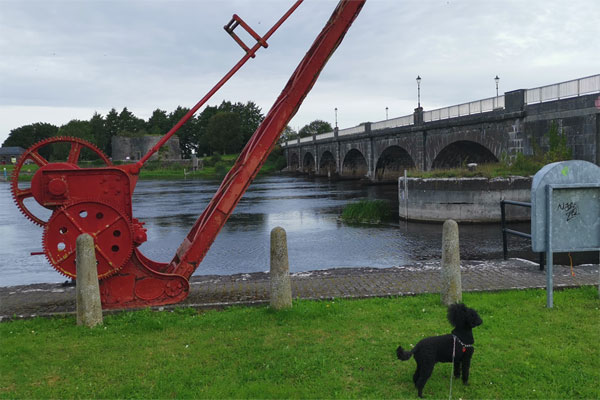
point(74, 128)
point(188, 133)
point(27, 135)
point(129, 122)
point(204, 142)
point(158, 123)
point(224, 133)
point(101, 136)
point(316, 127)
point(250, 117)
point(288, 134)
point(111, 125)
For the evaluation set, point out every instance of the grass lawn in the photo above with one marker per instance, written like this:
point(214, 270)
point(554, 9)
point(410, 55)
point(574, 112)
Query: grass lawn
point(158, 170)
point(329, 349)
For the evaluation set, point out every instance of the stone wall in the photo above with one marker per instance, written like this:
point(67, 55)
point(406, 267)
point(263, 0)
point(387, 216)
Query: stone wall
point(127, 148)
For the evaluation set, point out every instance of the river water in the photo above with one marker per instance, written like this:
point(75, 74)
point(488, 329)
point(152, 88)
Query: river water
point(307, 208)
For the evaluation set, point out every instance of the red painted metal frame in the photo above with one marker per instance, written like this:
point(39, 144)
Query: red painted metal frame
point(98, 200)
point(201, 236)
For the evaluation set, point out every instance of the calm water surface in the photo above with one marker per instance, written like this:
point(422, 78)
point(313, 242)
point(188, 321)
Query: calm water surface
point(308, 209)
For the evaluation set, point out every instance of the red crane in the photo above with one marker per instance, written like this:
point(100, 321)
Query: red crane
point(98, 201)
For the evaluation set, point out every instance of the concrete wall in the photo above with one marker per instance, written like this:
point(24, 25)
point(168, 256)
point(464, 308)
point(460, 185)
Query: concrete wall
point(464, 200)
point(137, 147)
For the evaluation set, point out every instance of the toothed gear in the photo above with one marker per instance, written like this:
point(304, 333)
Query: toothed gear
point(32, 153)
point(106, 223)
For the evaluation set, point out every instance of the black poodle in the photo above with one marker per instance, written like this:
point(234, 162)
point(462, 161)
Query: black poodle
point(457, 346)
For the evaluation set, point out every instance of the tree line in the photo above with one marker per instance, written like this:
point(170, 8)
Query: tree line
point(223, 129)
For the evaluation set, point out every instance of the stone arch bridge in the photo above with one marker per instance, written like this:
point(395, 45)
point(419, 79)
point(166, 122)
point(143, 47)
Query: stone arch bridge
point(482, 131)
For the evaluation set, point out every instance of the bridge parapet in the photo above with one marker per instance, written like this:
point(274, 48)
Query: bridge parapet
point(460, 110)
point(393, 123)
point(563, 90)
point(352, 131)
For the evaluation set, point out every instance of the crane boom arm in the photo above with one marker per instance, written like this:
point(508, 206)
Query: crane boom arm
point(196, 244)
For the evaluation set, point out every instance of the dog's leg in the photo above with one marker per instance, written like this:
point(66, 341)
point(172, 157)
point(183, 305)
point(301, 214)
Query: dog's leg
point(425, 370)
point(457, 367)
point(466, 365)
point(416, 375)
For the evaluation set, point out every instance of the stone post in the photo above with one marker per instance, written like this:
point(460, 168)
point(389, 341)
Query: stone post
point(418, 116)
point(281, 287)
point(451, 279)
point(89, 308)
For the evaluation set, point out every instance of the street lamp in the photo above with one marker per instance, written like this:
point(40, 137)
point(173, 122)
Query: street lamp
point(386, 113)
point(335, 109)
point(419, 91)
point(497, 80)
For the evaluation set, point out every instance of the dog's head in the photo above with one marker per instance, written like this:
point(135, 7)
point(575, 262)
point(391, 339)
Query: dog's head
point(461, 316)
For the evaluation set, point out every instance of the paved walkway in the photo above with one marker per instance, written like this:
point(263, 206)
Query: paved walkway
point(219, 291)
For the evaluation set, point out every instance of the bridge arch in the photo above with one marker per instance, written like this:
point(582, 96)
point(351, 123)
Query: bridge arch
point(355, 165)
point(462, 152)
point(392, 162)
point(327, 164)
point(308, 163)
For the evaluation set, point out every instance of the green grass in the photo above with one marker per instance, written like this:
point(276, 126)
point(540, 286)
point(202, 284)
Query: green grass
point(329, 349)
point(366, 211)
point(522, 167)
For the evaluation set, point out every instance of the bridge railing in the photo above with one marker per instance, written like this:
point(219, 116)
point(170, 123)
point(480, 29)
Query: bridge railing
point(351, 131)
point(460, 110)
point(393, 123)
point(306, 139)
point(563, 90)
point(324, 136)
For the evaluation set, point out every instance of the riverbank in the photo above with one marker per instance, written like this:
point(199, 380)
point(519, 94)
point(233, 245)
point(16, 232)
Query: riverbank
point(218, 291)
point(211, 168)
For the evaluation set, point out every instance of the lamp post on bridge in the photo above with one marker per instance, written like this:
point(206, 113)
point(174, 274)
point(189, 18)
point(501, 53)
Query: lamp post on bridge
point(335, 109)
point(419, 91)
point(386, 113)
point(497, 80)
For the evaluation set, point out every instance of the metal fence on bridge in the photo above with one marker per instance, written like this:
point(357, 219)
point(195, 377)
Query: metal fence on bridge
point(563, 90)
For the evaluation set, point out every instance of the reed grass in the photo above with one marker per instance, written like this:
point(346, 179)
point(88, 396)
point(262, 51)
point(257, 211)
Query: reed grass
point(366, 211)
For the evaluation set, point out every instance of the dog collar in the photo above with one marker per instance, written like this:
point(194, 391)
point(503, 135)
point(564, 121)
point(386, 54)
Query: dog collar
point(464, 346)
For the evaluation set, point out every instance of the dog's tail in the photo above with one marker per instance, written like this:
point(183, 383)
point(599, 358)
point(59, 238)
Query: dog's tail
point(403, 355)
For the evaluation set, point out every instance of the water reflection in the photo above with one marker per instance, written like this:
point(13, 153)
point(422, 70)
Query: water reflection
point(307, 208)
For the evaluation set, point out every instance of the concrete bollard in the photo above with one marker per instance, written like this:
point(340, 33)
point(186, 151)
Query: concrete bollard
point(281, 287)
point(89, 308)
point(451, 278)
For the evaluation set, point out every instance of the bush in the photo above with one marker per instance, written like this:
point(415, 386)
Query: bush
point(212, 160)
point(221, 168)
point(558, 145)
point(367, 211)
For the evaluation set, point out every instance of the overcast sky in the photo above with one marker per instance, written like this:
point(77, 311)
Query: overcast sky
point(63, 60)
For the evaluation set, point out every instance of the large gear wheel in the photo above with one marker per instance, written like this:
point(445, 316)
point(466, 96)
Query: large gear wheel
point(109, 227)
point(32, 154)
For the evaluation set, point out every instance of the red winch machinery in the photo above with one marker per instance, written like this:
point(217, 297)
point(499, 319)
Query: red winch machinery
point(98, 201)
